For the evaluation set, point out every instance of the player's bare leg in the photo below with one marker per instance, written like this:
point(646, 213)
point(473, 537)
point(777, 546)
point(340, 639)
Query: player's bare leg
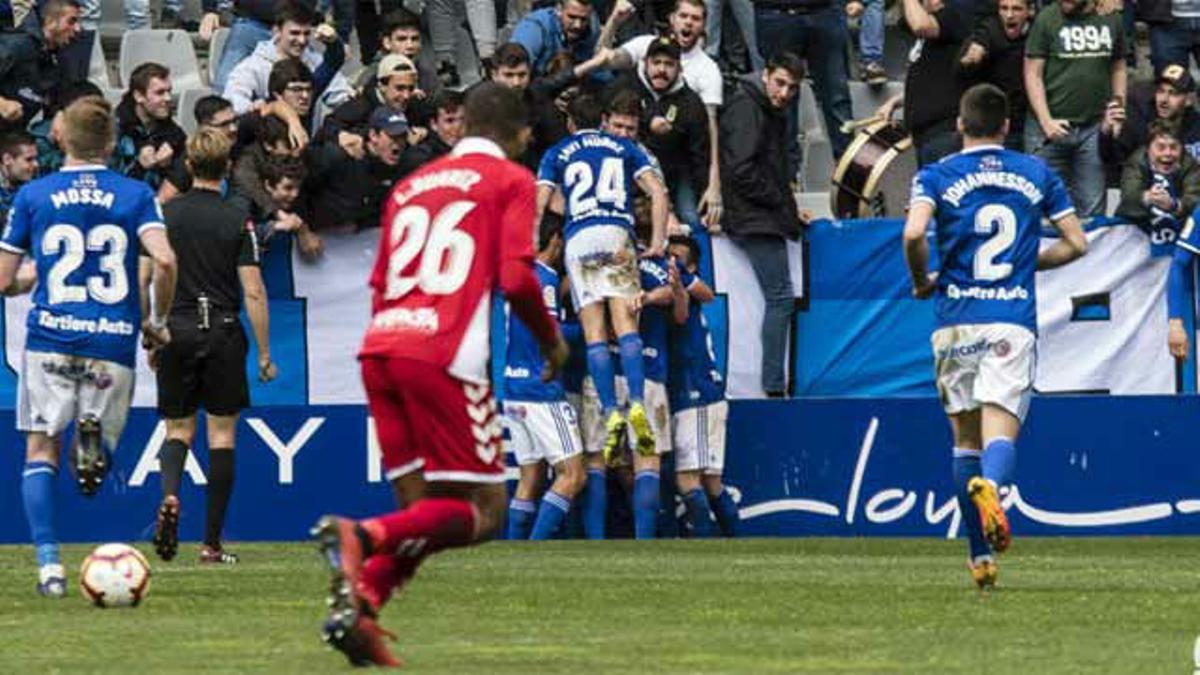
point(965, 427)
point(624, 313)
point(996, 424)
point(37, 491)
point(172, 456)
point(222, 431)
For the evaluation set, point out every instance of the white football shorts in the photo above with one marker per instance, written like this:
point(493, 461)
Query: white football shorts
point(700, 438)
point(601, 263)
point(657, 409)
point(55, 390)
point(985, 363)
point(542, 431)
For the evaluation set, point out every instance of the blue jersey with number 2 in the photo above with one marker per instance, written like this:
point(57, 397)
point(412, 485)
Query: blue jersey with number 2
point(988, 205)
point(81, 227)
point(596, 172)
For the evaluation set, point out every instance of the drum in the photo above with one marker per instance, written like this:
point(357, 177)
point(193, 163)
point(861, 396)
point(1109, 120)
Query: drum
point(873, 175)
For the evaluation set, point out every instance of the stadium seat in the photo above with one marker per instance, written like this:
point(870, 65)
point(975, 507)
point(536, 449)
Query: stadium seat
point(816, 154)
point(112, 95)
point(815, 202)
point(98, 67)
point(171, 48)
point(184, 113)
point(865, 99)
point(220, 36)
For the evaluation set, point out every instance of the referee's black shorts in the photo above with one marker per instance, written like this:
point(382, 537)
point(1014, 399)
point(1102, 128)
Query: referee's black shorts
point(203, 368)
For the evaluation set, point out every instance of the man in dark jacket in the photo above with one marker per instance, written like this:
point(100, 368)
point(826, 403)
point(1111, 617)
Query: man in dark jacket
point(1160, 185)
point(395, 82)
point(347, 193)
point(995, 53)
point(150, 145)
point(29, 69)
point(1170, 99)
point(674, 125)
point(445, 129)
point(761, 213)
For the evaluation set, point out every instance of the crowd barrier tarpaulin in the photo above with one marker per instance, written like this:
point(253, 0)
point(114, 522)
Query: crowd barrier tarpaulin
point(872, 459)
point(1102, 319)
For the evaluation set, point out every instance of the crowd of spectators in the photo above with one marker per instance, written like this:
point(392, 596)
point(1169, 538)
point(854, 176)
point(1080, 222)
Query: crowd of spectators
point(709, 87)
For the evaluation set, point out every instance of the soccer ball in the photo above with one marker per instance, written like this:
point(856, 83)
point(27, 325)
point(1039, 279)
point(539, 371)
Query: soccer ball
point(115, 575)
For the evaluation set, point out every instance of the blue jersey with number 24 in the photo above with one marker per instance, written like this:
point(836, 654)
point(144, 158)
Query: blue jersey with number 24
point(81, 227)
point(988, 205)
point(596, 172)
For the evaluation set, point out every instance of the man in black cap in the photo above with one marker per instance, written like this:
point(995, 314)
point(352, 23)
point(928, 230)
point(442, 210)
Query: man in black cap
point(1171, 98)
point(674, 125)
point(346, 192)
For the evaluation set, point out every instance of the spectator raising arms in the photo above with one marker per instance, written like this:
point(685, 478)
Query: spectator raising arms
point(291, 37)
point(570, 26)
point(995, 54)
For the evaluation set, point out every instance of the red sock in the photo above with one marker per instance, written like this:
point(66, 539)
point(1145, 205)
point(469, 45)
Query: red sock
point(424, 528)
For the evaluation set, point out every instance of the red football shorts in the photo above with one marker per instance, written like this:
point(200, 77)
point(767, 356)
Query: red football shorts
point(426, 419)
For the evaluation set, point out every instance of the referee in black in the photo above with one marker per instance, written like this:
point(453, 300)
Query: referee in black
point(204, 366)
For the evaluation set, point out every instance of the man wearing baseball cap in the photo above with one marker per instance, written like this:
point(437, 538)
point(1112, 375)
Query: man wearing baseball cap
point(1171, 98)
point(395, 82)
point(346, 191)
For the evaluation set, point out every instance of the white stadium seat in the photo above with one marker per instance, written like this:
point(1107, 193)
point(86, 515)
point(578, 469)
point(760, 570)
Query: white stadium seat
point(171, 48)
point(98, 66)
point(184, 113)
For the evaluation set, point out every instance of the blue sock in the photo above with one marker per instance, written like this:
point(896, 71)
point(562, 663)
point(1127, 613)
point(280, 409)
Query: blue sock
point(728, 518)
point(645, 505)
point(600, 367)
point(1000, 461)
point(551, 515)
point(521, 513)
point(595, 504)
point(698, 513)
point(37, 491)
point(966, 466)
point(632, 365)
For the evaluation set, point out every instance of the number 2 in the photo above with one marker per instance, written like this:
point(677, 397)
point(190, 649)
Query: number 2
point(446, 252)
point(68, 241)
point(1001, 219)
point(609, 189)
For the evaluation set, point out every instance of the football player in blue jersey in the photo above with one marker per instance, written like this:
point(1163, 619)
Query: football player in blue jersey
point(986, 206)
point(82, 226)
point(541, 424)
point(698, 402)
point(1187, 246)
point(596, 173)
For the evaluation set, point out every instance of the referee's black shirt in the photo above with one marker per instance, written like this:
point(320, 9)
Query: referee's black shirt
point(212, 238)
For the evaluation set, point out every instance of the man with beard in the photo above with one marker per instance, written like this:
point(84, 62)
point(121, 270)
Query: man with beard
point(674, 125)
point(1074, 69)
point(150, 145)
point(567, 27)
point(701, 74)
point(995, 53)
point(1170, 99)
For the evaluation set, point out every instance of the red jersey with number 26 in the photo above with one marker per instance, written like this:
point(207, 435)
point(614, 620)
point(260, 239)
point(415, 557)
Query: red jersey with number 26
point(452, 232)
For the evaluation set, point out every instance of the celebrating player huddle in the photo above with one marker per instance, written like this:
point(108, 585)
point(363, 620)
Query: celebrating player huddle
point(457, 230)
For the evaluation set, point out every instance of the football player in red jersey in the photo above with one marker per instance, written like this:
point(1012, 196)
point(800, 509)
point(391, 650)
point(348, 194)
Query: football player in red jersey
point(453, 231)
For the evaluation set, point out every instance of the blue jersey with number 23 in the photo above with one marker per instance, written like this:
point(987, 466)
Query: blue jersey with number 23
point(988, 205)
point(81, 227)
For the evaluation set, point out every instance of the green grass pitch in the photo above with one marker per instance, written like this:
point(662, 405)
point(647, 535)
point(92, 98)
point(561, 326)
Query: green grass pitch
point(747, 606)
